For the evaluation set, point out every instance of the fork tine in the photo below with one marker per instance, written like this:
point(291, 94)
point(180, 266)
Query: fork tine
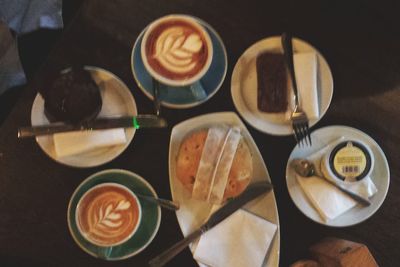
point(295, 132)
point(304, 133)
point(309, 135)
point(298, 134)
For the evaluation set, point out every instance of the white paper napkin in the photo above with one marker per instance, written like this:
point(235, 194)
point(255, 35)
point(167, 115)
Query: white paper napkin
point(329, 201)
point(305, 66)
point(72, 143)
point(240, 240)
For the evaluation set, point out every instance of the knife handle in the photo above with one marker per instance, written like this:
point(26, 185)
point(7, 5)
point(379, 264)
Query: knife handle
point(351, 194)
point(288, 54)
point(170, 253)
point(24, 132)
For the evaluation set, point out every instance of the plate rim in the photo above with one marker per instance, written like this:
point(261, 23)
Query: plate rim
point(236, 90)
point(188, 105)
point(123, 148)
point(384, 163)
point(94, 176)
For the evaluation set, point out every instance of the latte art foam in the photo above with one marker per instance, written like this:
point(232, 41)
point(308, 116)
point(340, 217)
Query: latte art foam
point(107, 215)
point(176, 50)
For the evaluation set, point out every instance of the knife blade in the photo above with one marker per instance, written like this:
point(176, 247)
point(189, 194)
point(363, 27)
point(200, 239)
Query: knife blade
point(254, 190)
point(139, 121)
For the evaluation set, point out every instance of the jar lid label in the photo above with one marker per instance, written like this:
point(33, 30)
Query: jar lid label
point(350, 161)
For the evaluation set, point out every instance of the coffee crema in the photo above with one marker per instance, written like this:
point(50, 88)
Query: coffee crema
point(108, 215)
point(176, 49)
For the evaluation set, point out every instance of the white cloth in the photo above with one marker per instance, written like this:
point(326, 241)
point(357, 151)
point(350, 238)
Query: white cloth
point(305, 66)
point(24, 16)
point(329, 201)
point(240, 240)
point(72, 143)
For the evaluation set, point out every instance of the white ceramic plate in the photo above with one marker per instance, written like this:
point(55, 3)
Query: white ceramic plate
point(193, 213)
point(380, 176)
point(117, 101)
point(244, 86)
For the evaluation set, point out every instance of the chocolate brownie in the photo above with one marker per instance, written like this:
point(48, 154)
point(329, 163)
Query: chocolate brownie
point(271, 83)
point(72, 96)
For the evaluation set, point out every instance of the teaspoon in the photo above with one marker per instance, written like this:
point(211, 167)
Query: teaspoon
point(165, 203)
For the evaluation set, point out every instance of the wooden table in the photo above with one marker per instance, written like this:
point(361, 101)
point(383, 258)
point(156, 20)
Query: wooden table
point(361, 43)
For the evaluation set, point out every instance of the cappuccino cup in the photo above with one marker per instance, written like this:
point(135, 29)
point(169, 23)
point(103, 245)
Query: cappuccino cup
point(108, 214)
point(176, 50)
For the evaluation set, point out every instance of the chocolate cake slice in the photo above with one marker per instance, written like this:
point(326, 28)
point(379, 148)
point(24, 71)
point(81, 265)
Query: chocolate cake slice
point(72, 96)
point(271, 83)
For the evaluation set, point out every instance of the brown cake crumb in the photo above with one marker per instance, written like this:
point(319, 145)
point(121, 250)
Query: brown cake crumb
point(271, 83)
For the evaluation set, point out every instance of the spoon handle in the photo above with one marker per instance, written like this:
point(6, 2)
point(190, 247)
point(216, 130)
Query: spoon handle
point(168, 204)
point(351, 194)
point(156, 95)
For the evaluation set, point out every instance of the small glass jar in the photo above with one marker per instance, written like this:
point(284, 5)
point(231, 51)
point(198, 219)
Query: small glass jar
point(348, 162)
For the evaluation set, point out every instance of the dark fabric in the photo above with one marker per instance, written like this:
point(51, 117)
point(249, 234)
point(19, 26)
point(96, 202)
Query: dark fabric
point(11, 72)
point(22, 16)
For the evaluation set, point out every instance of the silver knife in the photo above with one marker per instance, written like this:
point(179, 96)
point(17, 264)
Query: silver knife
point(249, 194)
point(139, 121)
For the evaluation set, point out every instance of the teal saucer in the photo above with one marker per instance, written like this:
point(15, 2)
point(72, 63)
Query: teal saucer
point(151, 215)
point(188, 96)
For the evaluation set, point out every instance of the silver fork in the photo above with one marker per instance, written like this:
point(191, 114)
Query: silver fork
point(299, 117)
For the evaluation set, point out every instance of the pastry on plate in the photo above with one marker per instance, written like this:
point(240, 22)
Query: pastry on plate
point(214, 164)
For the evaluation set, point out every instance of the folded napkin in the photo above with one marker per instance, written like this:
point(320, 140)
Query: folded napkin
point(305, 67)
point(329, 201)
point(72, 143)
point(240, 240)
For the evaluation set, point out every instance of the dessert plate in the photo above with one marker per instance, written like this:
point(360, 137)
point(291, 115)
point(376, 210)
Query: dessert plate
point(189, 96)
point(117, 101)
point(150, 222)
point(380, 176)
point(244, 87)
point(193, 213)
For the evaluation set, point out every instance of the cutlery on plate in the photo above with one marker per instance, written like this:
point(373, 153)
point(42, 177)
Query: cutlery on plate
point(299, 117)
point(165, 203)
point(139, 121)
point(253, 191)
point(306, 169)
point(156, 95)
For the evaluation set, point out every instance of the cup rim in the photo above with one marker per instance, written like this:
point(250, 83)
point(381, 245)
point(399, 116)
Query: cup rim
point(162, 79)
point(115, 185)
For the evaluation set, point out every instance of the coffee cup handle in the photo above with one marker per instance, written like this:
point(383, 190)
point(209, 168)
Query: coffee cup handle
point(104, 252)
point(198, 91)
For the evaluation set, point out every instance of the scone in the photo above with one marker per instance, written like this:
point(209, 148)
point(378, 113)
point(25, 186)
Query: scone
point(190, 155)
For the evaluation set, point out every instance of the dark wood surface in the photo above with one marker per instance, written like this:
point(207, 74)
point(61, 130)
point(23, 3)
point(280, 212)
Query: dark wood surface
point(361, 43)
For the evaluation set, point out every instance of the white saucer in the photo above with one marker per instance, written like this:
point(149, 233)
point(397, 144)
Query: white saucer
point(380, 176)
point(117, 101)
point(244, 86)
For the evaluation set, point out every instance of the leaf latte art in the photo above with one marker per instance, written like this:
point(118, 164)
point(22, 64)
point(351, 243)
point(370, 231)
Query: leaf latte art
point(176, 50)
point(108, 215)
